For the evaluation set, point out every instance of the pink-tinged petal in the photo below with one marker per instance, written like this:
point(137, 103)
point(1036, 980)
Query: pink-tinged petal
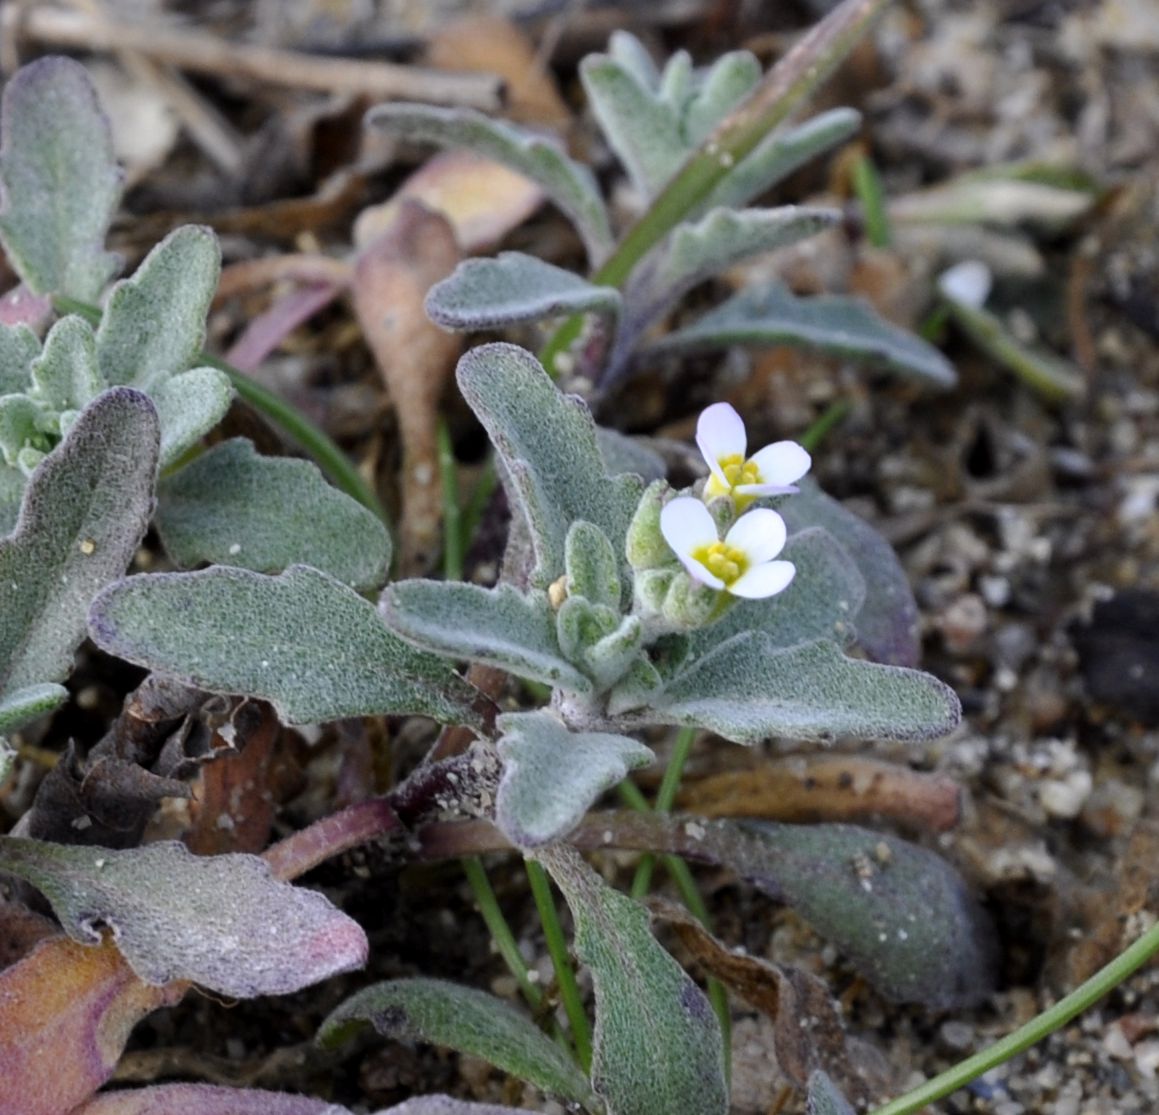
point(687, 525)
point(764, 580)
point(720, 433)
point(700, 573)
point(759, 535)
point(782, 463)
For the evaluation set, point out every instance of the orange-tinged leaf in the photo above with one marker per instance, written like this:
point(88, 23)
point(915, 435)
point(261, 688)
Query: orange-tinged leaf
point(66, 1011)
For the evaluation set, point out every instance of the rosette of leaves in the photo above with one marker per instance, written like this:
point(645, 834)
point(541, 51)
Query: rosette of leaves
point(60, 187)
point(654, 121)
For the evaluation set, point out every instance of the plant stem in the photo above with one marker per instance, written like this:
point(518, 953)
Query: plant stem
point(867, 185)
point(1083, 996)
point(295, 425)
point(833, 415)
point(665, 798)
point(453, 548)
point(499, 929)
point(561, 960)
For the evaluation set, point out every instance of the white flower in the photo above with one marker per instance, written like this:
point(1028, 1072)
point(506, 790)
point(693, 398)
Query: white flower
point(720, 434)
point(743, 563)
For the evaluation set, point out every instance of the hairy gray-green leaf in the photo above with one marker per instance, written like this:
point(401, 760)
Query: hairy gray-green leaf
point(826, 593)
point(233, 507)
point(641, 128)
point(212, 1099)
point(84, 513)
point(7, 757)
point(22, 431)
point(748, 689)
point(223, 922)
point(825, 1098)
point(771, 315)
point(12, 482)
point(18, 348)
point(593, 567)
point(443, 1105)
point(552, 776)
point(901, 913)
point(626, 49)
point(154, 323)
point(462, 1019)
point(570, 185)
point(697, 251)
point(547, 441)
point(777, 156)
point(22, 705)
point(511, 288)
point(657, 1044)
point(886, 620)
point(189, 405)
point(59, 181)
point(65, 374)
point(303, 641)
point(500, 627)
point(628, 454)
point(729, 80)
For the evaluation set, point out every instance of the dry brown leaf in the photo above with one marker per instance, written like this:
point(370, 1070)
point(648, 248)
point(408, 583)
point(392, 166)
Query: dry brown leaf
point(807, 1028)
point(809, 788)
point(415, 357)
point(488, 44)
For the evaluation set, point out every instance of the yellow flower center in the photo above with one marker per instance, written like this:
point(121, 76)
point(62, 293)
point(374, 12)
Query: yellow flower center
point(721, 560)
point(739, 471)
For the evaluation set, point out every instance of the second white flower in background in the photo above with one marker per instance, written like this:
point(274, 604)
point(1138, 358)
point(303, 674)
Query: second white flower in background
point(742, 563)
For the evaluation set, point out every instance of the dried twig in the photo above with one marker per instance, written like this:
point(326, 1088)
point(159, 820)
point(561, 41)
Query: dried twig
point(192, 50)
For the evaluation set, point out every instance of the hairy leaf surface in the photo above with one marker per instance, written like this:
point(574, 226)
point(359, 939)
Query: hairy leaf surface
point(231, 506)
point(303, 641)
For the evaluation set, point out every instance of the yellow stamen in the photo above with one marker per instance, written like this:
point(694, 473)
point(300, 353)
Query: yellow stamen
point(737, 471)
point(722, 561)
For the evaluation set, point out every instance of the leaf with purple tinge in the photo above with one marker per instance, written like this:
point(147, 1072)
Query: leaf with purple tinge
point(205, 1099)
point(223, 922)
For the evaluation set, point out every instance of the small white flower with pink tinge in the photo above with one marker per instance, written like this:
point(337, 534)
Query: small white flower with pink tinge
point(772, 471)
point(743, 563)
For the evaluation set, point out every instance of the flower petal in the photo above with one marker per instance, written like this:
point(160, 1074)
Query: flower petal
point(700, 573)
point(759, 535)
point(720, 433)
point(782, 463)
point(753, 491)
point(687, 525)
point(763, 580)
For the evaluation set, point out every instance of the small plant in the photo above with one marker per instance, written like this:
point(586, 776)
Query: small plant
point(750, 605)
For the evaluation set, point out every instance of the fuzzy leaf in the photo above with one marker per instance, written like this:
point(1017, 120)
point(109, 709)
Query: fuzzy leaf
point(85, 510)
point(593, 567)
point(657, 1044)
point(447, 1105)
point(233, 507)
point(568, 184)
point(462, 1019)
point(643, 131)
point(59, 181)
point(725, 236)
point(19, 707)
point(500, 627)
point(730, 79)
point(223, 922)
point(7, 755)
point(886, 620)
point(777, 156)
point(826, 593)
point(189, 405)
point(65, 374)
point(204, 1099)
point(628, 454)
point(901, 913)
point(154, 323)
point(824, 1097)
point(303, 641)
point(19, 346)
point(547, 441)
point(771, 315)
point(511, 288)
point(68, 1011)
point(748, 689)
point(552, 776)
